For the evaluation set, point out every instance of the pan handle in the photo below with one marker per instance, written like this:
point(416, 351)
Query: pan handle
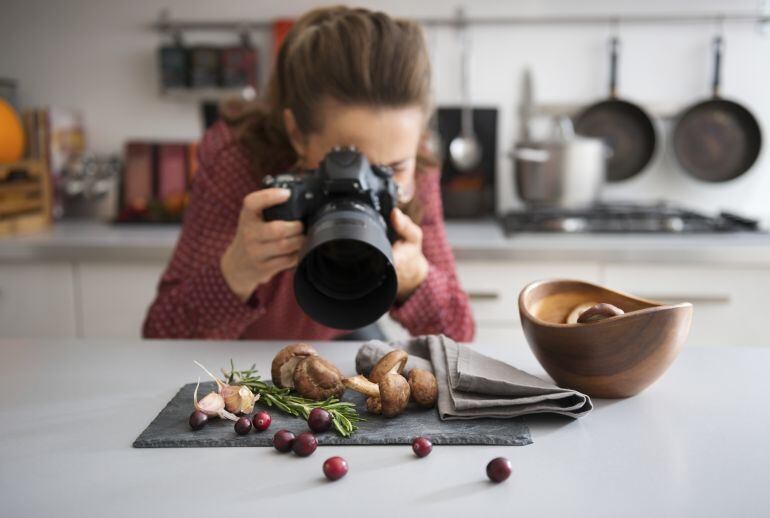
point(718, 46)
point(614, 46)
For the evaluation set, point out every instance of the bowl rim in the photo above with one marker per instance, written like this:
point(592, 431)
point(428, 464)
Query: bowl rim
point(657, 306)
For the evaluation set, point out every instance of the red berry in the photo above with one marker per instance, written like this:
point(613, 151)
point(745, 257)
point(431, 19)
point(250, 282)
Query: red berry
point(198, 419)
point(243, 426)
point(422, 446)
point(335, 468)
point(319, 420)
point(499, 469)
point(283, 440)
point(261, 421)
point(305, 444)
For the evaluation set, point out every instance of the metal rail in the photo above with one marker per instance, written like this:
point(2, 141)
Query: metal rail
point(166, 24)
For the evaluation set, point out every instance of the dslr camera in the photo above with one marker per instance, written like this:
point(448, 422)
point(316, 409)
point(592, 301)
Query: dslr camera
point(345, 278)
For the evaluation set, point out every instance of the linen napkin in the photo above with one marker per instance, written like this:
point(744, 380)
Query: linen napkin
point(472, 385)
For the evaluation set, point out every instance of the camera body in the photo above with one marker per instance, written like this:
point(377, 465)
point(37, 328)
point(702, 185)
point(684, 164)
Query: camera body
point(344, 177)
point(345, 277)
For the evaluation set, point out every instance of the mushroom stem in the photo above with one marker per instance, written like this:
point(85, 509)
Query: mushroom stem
point(362, 385)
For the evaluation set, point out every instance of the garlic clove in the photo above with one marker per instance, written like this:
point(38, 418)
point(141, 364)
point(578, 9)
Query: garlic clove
point(224, 414)
point(237, 399)
point(231, 397)
point(211, 403)
point(247, 400)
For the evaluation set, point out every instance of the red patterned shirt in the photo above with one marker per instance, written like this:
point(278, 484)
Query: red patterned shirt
point(194, 300)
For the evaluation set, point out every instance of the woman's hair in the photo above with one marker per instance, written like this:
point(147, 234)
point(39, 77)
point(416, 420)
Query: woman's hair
point(352, 56)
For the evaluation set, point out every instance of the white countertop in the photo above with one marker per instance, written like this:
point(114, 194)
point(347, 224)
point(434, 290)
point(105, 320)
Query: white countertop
point(693, 444)
point(470, 240)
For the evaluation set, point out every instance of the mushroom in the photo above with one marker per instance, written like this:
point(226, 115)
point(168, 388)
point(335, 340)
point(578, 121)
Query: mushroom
point(572, 318)
point(317, 378)
point(286, 361)
point(423, 387)
point(374, 405)
point(599, 312)
point(390, 396)
point(394, 361)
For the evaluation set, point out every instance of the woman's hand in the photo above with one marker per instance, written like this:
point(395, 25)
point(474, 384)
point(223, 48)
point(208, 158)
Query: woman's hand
point(260, 249)
point(411, 265)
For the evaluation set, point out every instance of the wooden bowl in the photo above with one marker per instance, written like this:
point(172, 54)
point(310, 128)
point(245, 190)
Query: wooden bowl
point(613, 358)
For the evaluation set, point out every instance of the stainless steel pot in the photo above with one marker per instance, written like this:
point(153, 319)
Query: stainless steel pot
point(565, 171)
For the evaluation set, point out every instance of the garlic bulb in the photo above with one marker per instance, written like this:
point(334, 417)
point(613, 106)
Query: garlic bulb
point(237, 399)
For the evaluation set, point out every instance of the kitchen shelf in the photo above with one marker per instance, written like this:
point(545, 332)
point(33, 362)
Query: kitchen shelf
point(206, 94)
point(660, 110)
point(166, 24)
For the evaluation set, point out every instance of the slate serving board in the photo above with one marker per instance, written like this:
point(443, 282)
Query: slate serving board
point(170, 428)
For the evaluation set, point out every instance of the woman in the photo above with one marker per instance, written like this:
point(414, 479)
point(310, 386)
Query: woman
point(342, 77)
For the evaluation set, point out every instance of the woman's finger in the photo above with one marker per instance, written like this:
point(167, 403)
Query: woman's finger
point(255, 202)
point(279, 264)
point(279, 247)
point(279, 229)
point(405, 227)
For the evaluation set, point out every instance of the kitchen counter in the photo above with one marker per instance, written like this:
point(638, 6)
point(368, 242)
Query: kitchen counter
point(693, 444)
point(473, 240)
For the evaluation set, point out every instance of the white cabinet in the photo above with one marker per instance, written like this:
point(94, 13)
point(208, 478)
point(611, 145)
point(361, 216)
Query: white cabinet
point(493, 286)
point(37, 300)
point(109, 299)
point(115, 296)
point(493, 290)
point(729, 302)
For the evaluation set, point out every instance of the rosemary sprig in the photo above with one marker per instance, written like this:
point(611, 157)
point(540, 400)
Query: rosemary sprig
point(344, 414)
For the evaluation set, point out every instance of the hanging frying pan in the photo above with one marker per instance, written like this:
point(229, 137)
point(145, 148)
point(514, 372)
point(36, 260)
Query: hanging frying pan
point(625, 127)
point(717, 140)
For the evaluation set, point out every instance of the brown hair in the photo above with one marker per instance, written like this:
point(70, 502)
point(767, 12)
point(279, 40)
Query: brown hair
point(352, 56)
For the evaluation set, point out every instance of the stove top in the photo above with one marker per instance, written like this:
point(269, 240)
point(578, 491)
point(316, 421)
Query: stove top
point(612, 218)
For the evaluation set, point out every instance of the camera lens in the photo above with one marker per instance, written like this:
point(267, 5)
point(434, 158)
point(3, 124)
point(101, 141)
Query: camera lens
point(345, 278)
point(346, 269)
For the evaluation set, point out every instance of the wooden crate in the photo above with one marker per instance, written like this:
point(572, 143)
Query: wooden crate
point(25, 198)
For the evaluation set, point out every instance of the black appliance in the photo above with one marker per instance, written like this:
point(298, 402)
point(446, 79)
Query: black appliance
point(468, 194)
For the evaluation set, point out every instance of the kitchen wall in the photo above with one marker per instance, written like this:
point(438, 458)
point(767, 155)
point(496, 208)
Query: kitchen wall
point(99, 57)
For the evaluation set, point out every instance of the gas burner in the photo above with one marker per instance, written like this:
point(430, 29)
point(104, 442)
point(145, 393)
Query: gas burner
point(625, 218)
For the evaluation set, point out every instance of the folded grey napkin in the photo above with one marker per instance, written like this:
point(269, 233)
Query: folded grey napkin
point(471, 385)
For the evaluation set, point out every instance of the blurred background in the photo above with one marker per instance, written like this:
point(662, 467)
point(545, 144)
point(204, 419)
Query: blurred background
point(104, 103)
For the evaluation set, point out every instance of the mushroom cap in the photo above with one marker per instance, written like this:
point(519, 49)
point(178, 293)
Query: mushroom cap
point(394, 361)
point(317, 378)
point(394, 394)
point(424, 387)
point(572, 318)
point(599, 312)
point(286, 361)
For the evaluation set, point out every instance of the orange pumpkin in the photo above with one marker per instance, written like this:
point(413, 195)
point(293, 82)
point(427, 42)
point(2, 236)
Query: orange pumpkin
point(11, 134)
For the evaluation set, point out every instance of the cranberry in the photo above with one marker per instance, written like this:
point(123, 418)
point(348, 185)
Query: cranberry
point(198, 419)
point(499, 469)
point(261, 421)
point(335, 468)
point(243, 426)
point(422, 446)
point(319, 420)
point(305, 444)
point(283, 440)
